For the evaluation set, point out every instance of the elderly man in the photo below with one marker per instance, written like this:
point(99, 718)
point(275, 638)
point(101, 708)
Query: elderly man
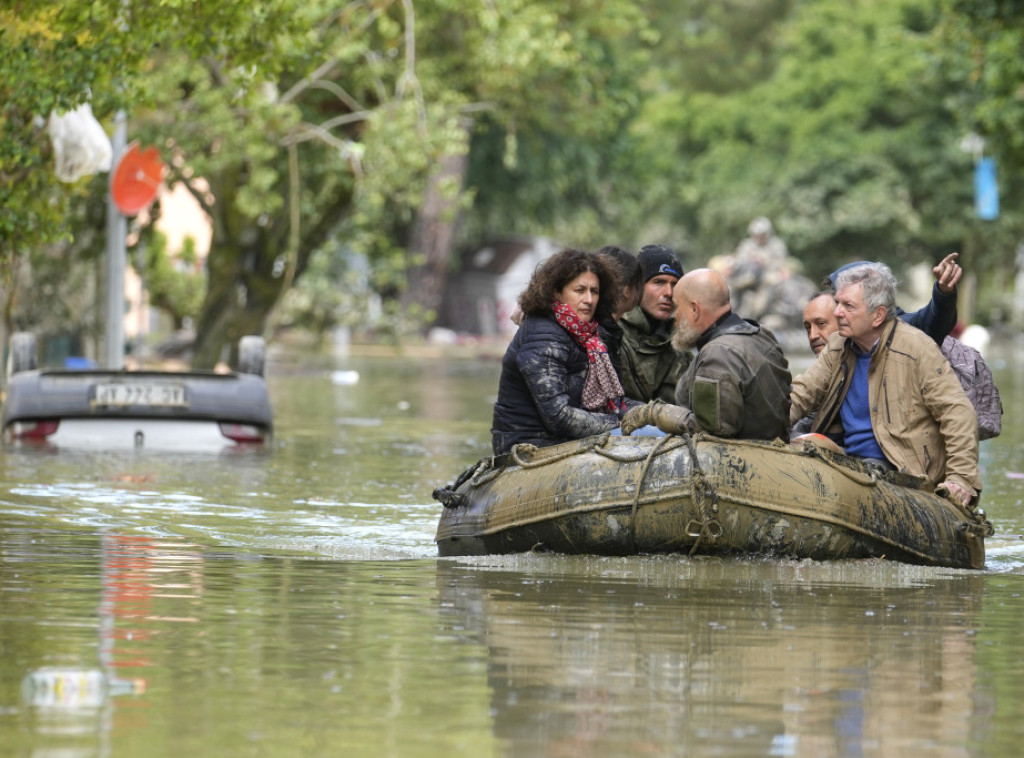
point(892, 390)
point(936, 319)
point(738, 383)
point(649, 367)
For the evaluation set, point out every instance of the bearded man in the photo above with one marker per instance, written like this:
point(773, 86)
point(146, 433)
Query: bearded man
point(738, 383)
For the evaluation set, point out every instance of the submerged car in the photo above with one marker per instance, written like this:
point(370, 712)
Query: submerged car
point(118, 408)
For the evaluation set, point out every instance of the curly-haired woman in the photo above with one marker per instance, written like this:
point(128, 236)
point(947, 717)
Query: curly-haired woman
point(557, 381)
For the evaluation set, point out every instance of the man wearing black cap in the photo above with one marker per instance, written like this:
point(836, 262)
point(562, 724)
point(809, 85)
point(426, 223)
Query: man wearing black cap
point(649, 365)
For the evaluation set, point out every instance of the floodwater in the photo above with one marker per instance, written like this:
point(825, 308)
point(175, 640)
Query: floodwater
point(290, 602)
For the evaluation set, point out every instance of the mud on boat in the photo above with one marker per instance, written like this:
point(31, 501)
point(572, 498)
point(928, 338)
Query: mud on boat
point(700, 494)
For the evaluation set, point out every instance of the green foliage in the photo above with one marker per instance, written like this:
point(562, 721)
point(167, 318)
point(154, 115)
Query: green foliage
point(845, 144)
point(56, 55)
point(308, 128)
point(978, 48)
point(561, 164)
point(175, 285)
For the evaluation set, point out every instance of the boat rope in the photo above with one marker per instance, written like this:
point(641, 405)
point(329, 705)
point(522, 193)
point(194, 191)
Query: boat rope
point(486, 469)
point(484, 473)
point(516, 451)
point(703, 494)
point(868, 478)
point(480, 472)
point(639, 485)
point(665, 445)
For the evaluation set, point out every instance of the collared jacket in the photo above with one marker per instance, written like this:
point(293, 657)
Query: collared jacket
point(936, 319)
point(738, 384)
point(540, 392)
point(649, 367)
point(920, 415)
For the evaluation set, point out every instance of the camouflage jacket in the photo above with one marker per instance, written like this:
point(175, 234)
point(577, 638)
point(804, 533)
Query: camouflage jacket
point(649, 367)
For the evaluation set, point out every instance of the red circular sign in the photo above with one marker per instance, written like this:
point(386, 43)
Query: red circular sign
point(136, 179)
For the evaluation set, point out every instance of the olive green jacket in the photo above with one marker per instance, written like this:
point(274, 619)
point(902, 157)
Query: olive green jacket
point(920, 415)
point(649, 367)
point(738, 385)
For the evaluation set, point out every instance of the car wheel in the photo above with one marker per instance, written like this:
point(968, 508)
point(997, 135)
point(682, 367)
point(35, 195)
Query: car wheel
point(252, 355)
point(22, 353)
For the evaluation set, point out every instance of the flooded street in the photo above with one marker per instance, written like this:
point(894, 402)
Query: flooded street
point(290, 602)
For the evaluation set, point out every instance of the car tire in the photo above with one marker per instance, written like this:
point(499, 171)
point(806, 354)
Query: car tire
point(21, 353)
point(252, 355)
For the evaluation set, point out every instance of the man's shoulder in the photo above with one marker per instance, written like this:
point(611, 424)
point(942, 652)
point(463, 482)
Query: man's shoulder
point(738, 326)
point(634, 322)
point(736, 333)
point(638, 334)
point(911, 340)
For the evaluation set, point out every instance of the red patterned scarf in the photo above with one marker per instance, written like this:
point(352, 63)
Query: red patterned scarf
point(602, 389)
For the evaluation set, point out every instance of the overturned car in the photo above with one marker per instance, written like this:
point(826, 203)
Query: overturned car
point(190, 410)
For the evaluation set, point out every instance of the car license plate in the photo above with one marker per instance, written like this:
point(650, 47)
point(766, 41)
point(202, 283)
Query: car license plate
point(136, 393)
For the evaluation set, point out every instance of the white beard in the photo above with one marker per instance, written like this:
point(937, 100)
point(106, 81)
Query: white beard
point(686, 336)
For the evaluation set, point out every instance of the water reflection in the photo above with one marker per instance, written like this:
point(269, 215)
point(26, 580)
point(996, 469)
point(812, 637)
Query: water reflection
point(685, 657)
point(290, 602)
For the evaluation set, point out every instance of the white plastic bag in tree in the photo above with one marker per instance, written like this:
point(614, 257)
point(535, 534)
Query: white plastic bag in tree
point(79, 144)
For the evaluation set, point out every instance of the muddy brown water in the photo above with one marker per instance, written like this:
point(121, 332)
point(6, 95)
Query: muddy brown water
point(290, 602)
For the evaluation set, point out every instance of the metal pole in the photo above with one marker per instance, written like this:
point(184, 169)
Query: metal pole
point(117, 230)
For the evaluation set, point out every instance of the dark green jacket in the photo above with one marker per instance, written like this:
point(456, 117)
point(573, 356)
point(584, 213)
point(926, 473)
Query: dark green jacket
point(649, 367)
point(738, 385)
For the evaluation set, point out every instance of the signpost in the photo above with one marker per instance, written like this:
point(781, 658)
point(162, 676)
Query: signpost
point(134, 183)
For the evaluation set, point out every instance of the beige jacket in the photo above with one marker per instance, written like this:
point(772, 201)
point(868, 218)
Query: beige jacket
point(920, 415)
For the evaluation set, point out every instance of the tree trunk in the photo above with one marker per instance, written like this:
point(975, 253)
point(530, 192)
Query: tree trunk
point(242, 291)
point(245, 270)
point(433, 235)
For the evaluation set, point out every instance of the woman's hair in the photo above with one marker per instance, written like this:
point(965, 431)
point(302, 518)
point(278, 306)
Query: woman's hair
point(561, 268)
point(878, 282)
point(631, 273)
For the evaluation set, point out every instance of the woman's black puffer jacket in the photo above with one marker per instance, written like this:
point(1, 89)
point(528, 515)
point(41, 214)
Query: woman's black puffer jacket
point(540, 393)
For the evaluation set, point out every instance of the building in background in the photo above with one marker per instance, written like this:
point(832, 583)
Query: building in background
point(481, 296)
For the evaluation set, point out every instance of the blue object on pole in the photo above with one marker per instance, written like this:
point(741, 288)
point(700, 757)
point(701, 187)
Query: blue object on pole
point(986, 191)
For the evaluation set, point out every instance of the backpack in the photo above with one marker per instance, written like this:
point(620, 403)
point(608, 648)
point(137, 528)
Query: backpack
point(976, 379)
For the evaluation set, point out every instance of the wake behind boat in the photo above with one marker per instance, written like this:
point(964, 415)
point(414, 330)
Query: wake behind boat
point(700, 494)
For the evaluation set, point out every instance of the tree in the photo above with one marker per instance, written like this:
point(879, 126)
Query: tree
point(314, 119)
point(351, 136)
point(978, 44)
point(846, 143)
point(56, 56)
point(175, 286)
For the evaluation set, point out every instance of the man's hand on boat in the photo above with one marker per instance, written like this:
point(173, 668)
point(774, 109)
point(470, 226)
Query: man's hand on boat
point(955, 492)
point(671, 419)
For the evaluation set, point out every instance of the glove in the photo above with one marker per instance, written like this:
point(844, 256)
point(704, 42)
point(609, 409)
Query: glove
point(671, 419)
point(636, 418)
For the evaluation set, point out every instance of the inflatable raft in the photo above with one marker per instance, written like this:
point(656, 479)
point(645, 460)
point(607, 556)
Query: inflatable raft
point(700, 494)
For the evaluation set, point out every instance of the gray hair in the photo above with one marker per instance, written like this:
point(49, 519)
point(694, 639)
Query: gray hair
point(878, 282)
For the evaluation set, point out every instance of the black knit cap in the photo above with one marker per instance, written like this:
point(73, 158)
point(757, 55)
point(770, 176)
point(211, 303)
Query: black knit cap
point(659, 259)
